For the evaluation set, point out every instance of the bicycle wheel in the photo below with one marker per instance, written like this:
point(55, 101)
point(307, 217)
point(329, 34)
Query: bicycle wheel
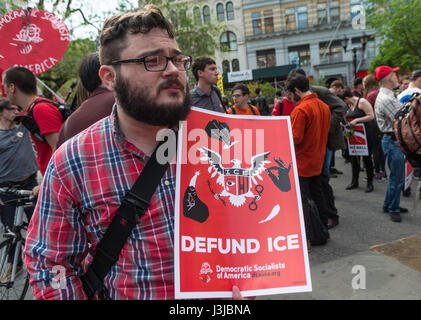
point(17, 289)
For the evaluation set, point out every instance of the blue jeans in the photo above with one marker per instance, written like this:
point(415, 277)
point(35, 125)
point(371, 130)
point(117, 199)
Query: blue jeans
point(328, 160)
point(396, 161)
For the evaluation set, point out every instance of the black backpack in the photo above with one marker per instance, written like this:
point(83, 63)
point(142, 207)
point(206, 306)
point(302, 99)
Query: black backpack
point(29, 123)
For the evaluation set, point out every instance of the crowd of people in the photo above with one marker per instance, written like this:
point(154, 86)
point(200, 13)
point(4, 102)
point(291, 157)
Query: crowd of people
point(136, 85)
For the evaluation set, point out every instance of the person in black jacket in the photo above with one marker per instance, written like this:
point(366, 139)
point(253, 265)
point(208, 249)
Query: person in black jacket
point(262, 103)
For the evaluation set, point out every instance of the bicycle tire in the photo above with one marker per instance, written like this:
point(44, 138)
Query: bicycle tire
point(18, 289)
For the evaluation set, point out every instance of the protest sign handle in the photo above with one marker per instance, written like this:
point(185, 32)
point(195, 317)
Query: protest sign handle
point(58, 96)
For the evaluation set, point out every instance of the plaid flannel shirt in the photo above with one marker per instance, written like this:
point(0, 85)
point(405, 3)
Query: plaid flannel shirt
point(385, 108)
point(84, 185)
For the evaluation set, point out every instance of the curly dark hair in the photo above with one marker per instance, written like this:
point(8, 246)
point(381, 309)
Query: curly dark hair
point(113, 36)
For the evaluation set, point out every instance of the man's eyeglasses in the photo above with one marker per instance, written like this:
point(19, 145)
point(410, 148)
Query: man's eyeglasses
point(237, 95)
point(160, 63)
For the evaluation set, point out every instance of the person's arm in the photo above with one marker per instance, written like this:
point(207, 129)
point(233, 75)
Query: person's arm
point(56, 241)
point(298, 124)
point(275, 111)
point(368, 110)
point(49, 121)
point(52, 139)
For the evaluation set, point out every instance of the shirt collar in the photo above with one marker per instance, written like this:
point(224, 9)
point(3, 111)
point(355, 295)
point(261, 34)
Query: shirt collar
point(121, 139)
point(199, 91)
point(307, 97)
point(98, 91)
point(387, 91)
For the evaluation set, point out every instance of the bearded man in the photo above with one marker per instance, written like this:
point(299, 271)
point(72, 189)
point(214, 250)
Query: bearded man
point(89, 175)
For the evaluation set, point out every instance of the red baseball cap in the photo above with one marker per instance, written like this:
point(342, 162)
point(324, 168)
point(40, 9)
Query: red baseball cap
point(383, 71)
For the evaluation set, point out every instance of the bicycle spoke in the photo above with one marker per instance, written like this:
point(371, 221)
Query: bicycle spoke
point(11, 290)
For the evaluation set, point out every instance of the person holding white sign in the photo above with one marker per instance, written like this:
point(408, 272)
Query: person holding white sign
point(360, 111)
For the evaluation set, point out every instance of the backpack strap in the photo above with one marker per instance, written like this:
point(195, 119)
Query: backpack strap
point(252, 109)
point(281, 107)
point(218, 92)
point(232, 110)
point(133, 207)
point(29, 122)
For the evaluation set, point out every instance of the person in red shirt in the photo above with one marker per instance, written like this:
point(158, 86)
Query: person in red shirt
point(20, 86)
point(240, 95)
point(284, 106)
point(310, 121)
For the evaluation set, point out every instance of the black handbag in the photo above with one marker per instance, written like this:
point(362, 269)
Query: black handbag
point(133, 207)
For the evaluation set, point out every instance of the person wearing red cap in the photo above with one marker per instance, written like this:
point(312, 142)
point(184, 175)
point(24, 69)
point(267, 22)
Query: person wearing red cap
point(385, 108)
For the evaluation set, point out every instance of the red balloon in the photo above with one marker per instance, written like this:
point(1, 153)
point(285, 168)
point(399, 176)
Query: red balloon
point(34, 39)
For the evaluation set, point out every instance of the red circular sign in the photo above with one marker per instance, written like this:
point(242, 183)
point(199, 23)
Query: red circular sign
point(33, 39)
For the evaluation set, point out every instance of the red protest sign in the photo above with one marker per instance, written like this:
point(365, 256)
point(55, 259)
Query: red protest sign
point(34, 39)
point(357, 141)
point(238, 210)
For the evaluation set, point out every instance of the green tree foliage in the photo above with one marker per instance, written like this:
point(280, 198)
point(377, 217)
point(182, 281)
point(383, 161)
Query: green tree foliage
point(61, 76)
point(398, 23)
point(194, 37)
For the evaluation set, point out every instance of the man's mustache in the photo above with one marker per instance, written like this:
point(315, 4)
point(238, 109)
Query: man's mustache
point(170, 83)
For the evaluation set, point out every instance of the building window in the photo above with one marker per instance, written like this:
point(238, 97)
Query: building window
point(330, 54)
point(220, 12)
point(206, 14)
point(226, 66)
point(370, 49)
point(230, 11)
point(334, 15)
point(197, 16)
point(302, 17)
point(266, 58)
point(268, 18)
point(228, 41)
point(321, 14)
point(235, 65)
point(290, 19)
point(300, 55)
point(257, 23)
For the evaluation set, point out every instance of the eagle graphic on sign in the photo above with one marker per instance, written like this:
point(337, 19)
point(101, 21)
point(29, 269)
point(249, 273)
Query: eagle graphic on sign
point(236, 181)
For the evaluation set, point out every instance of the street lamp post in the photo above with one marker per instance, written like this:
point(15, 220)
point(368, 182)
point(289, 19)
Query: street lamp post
point(354, 60)
point(363, 40)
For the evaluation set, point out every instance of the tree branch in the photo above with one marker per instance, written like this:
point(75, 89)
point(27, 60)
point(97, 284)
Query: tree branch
point(84, 18)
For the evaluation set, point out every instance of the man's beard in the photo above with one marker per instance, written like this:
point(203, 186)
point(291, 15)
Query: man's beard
point(140, 104)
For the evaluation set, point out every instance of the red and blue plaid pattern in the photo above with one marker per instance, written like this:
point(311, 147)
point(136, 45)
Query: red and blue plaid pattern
point(84, 185)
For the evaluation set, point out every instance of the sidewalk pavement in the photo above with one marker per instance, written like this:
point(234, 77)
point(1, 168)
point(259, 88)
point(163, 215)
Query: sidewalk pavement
point(364, 233)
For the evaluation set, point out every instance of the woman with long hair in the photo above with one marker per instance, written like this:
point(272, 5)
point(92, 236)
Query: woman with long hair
point(360, 111)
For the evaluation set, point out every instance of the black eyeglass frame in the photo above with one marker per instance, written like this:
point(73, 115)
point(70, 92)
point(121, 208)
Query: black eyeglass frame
point(142, 60)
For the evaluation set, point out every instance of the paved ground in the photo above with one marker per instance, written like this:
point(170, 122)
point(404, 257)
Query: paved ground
point(366, 239)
